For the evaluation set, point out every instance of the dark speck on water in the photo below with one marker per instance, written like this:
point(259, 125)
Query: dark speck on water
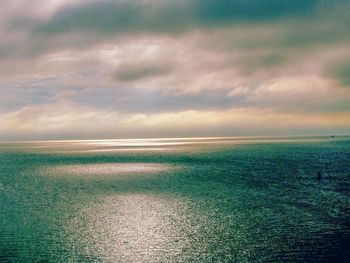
point(176, 200)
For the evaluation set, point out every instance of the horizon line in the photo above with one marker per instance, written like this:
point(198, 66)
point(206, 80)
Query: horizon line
point(174, 138)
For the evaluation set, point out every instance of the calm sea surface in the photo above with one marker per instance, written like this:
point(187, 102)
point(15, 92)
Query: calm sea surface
point(176, 200)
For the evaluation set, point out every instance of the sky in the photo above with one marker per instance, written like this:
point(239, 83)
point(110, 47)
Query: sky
point(84, 69)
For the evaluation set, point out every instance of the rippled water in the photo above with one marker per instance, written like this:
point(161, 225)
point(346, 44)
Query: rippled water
point(176, 200)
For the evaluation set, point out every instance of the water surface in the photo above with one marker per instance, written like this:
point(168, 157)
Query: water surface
point(176, 200)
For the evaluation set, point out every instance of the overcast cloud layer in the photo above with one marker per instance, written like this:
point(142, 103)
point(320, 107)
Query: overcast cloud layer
point(149, 68)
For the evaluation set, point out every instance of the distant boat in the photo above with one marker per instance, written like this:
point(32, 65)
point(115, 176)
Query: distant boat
point(332, 136)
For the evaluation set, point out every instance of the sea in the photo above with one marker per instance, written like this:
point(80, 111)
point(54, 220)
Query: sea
point(245, 199)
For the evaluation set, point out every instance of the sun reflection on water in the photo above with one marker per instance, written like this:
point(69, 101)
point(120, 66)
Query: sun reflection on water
point(131, 228)
point(147, 145)
point(109, 168)
point(125, 225)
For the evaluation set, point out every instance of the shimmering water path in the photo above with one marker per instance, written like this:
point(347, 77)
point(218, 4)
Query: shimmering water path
point(176, 200)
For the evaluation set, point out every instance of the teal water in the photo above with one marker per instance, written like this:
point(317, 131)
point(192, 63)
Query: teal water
point(176, 200)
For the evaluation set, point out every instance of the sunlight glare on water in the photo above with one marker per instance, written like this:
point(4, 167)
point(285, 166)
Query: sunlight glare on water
point(131, 228)
point(108, 168)
point(201, 200)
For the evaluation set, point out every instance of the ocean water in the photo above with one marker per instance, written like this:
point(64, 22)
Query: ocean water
point(176, 200)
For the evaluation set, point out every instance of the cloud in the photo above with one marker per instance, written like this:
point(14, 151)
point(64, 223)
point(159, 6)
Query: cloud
point(251, 11)
point(287, 26)
point(141, 70)
point(340, 72)
point(157, 58)
point(89, 23)
point(106, 17)
point(253, 63)
point(59, 121)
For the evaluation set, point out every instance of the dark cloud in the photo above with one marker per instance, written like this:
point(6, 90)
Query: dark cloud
point(141, 71)
point(99, 22)
point(120, 17)
point(340, 72)
point(254, 11)
point(251, 64)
